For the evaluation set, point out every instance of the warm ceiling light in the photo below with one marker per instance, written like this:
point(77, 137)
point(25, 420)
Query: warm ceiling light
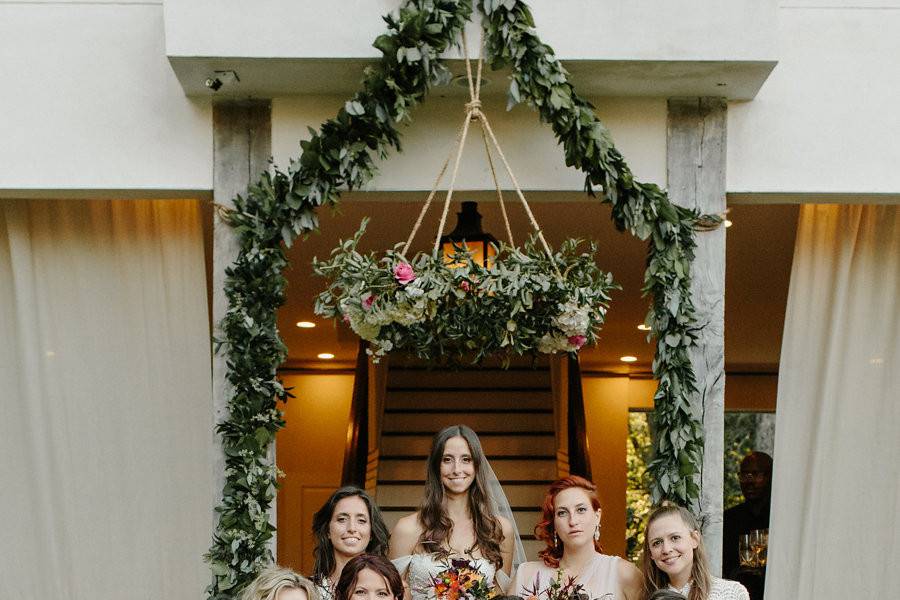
point(644, 327)
point(728, 223)
point(305, 324)
point(628, 359)
point(326, 355)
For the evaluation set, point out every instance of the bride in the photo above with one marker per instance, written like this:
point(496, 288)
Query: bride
point(457, 518)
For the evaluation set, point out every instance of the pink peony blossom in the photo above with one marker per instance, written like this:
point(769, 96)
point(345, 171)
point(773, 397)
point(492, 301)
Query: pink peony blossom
point(368, 301)
point(403, 273)
point(464, 285)
point(577, 341)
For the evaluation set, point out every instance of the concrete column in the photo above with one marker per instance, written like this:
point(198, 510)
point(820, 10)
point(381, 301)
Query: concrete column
point(242, 145)
point(696, 142)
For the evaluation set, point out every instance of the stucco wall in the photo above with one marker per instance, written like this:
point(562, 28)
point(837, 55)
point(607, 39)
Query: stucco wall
point(90, 102)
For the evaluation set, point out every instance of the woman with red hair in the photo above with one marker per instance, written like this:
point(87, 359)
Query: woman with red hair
point(571, 529)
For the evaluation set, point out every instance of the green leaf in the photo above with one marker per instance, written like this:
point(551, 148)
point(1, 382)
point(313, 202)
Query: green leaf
point(354, 108)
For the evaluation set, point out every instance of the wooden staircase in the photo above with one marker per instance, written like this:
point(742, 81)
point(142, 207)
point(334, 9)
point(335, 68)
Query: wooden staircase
point(512, 412)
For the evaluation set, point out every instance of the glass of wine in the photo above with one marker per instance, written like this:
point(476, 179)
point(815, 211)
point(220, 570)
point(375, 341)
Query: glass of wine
point(745, 551)
point(759, 542)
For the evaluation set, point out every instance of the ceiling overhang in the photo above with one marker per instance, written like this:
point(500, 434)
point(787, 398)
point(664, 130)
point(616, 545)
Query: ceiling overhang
point(611, 47)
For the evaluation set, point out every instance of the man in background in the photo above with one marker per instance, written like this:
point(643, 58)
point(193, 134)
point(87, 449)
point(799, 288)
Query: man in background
point(752, 513)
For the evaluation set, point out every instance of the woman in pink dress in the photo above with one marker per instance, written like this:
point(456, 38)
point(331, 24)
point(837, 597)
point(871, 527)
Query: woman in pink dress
point(570, 527)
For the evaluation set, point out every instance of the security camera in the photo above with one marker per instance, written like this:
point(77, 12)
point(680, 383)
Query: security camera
point(214, 83)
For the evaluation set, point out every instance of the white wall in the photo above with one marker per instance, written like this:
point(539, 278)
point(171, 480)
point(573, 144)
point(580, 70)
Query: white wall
point(639, 125)
point(828, 118)
point(89, 101)
point(578, 29)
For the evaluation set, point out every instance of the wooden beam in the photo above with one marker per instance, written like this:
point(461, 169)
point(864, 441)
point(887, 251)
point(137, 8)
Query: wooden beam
point(242, 145)
point(695, 146)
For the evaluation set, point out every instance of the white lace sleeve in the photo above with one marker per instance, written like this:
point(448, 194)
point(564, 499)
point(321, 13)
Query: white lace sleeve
point(724, 589)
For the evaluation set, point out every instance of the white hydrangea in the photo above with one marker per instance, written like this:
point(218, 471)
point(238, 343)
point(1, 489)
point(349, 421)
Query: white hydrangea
point(573, 319)
point(364, 329)
point(551, 344)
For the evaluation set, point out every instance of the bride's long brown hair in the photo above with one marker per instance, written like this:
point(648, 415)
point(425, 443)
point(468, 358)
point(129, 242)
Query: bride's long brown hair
point(436, 524)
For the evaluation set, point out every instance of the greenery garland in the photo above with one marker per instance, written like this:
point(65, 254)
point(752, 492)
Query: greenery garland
point(282, 205)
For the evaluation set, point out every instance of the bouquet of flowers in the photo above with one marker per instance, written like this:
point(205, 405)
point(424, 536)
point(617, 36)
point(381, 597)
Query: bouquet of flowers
point(560, 589)
point(461, 580)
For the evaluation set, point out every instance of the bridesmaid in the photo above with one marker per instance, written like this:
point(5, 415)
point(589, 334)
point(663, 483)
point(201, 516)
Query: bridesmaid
point(571, 529)
point(456, 518)
point(279, 583)
point(369, 577)
point(348, 524)
point(674, 558)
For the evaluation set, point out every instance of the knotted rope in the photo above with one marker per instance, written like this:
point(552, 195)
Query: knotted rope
point(474, 113)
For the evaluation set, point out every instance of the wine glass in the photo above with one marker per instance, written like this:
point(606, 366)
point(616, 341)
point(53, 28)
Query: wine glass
point(745, 551)
point(759, 544)
point(763, 551)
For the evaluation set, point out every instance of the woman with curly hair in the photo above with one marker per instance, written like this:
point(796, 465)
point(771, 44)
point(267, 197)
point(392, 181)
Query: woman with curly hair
point(570, 528)
point(459, 517)
point(674, 557)
point(348, 524)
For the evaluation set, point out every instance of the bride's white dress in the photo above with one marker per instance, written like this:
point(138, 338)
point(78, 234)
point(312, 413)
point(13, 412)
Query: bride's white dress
point(419, 570)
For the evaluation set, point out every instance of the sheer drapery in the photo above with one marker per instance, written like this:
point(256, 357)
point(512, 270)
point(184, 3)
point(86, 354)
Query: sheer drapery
point(105, 398)
point(835, 527)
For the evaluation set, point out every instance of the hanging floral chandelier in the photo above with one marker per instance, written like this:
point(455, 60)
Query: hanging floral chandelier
point(455, 304)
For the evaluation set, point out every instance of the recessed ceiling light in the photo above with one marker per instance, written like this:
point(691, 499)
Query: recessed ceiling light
point(326, 355)
point(628, 359)
point(728, 223)
point(305, 324)
point(644, 327)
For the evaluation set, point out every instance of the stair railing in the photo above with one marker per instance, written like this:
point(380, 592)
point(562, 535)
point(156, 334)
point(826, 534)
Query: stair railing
point(572, 456)
point(356, 451)
point(579, 457)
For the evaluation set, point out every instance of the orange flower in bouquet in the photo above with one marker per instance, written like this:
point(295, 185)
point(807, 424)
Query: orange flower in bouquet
point(461, 580)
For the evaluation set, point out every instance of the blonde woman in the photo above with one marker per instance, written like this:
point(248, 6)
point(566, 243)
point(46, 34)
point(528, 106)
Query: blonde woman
point(674, 558)
point(279, 583)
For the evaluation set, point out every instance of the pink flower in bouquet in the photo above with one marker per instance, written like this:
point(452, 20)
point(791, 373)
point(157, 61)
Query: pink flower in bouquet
point(464, 285)
point(346, 319)
point(368, 301)
point(577, 341)
point(403, 273)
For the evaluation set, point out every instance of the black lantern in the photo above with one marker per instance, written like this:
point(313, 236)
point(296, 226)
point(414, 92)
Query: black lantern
point(469, 237)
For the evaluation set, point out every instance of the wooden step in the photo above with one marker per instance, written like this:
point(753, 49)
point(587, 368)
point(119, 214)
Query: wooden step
point(523, 469)
point(493, 421)
point(409, 493)
point(468, 378)
point(402, 443)
point(459, 399)
point(526, 519)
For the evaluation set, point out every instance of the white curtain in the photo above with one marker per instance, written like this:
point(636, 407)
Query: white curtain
point(105, 396)
point(835, 527)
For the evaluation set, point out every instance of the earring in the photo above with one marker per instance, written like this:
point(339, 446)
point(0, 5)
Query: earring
point(555, 540)
point(597, 533)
